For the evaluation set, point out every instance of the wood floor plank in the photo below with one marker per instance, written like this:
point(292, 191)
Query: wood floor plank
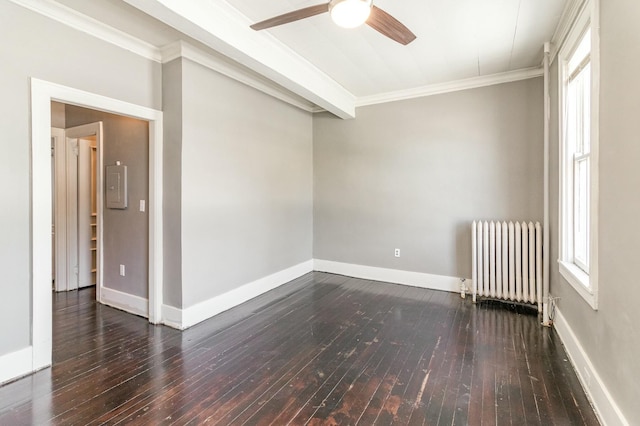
point(403, 399)
point(225, 345)
point(323, 349)
point(285, 401)
point(417, 373)
point(357, 356)
point(426, 382)
point(384, 405)
point(527, 343)
point(452, 401)
point(341, 401)
point(437, 407)
point(208, 398)
point(242, 368)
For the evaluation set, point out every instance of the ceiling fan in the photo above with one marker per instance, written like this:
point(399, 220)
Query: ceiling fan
point(347, 14)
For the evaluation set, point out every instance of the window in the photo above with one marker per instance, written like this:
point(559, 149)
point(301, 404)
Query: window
point(577, 133)
point(578, 159)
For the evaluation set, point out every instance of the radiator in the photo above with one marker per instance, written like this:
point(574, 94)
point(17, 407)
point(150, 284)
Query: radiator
point(507, 261)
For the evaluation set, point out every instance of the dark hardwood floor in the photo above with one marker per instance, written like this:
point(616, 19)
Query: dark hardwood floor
point(323, 349)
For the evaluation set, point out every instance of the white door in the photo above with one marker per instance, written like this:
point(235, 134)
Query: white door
point(71, 179)
point(76, 219)
point(86, 215)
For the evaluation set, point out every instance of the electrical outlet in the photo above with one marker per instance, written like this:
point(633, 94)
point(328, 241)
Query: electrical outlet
point(397, 253)
point(122, 270)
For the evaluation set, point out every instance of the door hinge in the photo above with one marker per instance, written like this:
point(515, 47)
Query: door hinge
point(75, 269)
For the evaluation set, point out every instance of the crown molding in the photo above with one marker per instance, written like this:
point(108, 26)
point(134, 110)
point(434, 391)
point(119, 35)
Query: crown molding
point(569, 15)
point(93, 27)
point(224, 29)
point(181, 49)
point(451, 86)
point(287, 76)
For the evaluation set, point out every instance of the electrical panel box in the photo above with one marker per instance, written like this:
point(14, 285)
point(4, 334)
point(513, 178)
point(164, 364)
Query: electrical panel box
point(116, 186)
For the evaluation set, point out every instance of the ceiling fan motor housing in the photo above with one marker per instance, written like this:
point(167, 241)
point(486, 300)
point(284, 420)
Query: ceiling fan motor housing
point(350, 13)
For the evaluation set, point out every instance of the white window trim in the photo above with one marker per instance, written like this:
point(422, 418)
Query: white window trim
point(586, 285)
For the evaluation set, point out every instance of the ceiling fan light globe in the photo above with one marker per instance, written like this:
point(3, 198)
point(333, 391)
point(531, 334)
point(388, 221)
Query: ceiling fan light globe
point(350, 13)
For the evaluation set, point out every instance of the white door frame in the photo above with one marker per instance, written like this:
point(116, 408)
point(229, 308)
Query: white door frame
point(42, 93)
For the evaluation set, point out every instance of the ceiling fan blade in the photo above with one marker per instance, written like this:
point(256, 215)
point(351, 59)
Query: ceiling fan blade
point(387, 25)
point(296, 15)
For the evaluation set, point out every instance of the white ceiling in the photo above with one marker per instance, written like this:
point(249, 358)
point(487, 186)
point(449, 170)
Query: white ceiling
point(334, 67)
point(456, 39)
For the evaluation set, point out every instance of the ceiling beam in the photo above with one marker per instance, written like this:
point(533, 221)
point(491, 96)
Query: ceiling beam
point(226, 30)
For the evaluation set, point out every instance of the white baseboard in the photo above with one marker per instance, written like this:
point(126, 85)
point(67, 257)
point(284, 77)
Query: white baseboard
point(187, 317)
point(192, 315)
point(127, 302)
point(16, 364)
point(603, 403)
point(172, 317)
point(414, 279)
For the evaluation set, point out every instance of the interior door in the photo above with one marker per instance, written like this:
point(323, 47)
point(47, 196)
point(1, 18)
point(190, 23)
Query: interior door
point(86, 212)
point(72, 154)
point(81, 217)
point(76, 221)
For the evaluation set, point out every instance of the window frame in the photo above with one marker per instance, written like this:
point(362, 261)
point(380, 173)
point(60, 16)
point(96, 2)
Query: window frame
point(585, 283)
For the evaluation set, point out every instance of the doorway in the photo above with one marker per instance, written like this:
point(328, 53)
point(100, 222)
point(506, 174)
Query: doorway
point(77, 212)
point(42, 94)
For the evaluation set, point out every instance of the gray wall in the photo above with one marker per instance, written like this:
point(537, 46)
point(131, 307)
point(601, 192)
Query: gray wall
point(172, 182)
point(246, 184)
point(610, 336)
point(39, 47)
point(414, 174)
point(126, 232)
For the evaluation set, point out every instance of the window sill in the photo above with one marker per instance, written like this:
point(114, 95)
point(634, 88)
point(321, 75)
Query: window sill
point(580, 281)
